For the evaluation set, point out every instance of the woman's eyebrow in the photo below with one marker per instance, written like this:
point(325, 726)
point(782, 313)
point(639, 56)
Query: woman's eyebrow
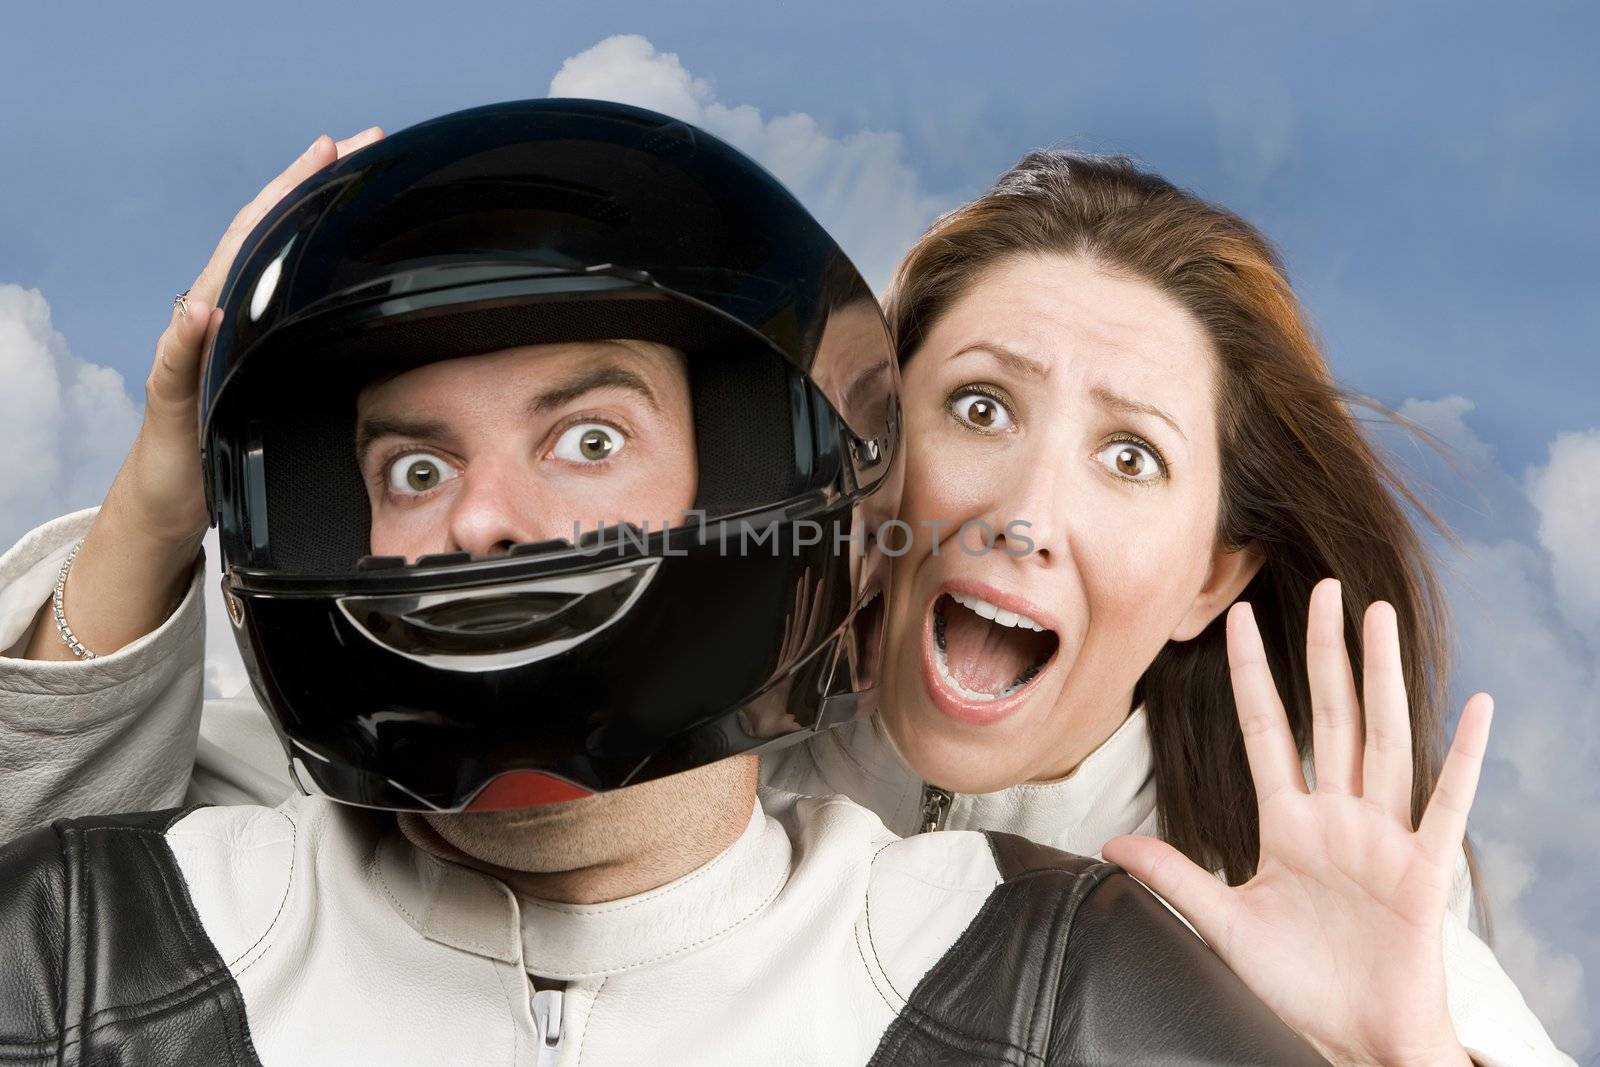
point(1015, 362)
point(604, 376)
point(1129, 406)
point(376, 427)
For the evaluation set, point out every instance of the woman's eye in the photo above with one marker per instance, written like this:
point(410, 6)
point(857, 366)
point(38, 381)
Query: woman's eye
point(417, 472)
point(980, 411)
point(588, 442)
point(1132, 461)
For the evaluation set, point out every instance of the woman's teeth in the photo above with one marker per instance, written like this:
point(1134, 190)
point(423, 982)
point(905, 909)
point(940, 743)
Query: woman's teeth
point(941, 651)
point(996, 614)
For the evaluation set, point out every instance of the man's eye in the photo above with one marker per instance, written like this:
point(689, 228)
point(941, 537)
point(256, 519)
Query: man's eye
point(417, 472)
point(980, 411)
point(1132, 461)
point(588, 442)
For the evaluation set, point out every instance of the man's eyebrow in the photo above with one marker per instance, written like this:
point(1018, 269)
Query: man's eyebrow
point(604, 376)
point(1016, 362)
point(1127, 405)
point(379, 426)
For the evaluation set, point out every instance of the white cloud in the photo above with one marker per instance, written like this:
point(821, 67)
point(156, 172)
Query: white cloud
point(1567, 493)
point(1557, 993)
point(1445, 418)
point(1516, 605)
point(1538, 811)
point(64, 423)
point(861, 187)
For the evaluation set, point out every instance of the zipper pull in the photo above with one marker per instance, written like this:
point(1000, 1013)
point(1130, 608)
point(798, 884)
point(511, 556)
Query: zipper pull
point(935, 806)
point(547, 1021)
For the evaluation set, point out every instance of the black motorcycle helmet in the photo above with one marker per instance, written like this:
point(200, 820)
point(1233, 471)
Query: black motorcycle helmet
point(471, 683)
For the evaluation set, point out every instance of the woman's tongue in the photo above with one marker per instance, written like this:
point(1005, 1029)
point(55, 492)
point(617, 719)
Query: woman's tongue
point(983, 656)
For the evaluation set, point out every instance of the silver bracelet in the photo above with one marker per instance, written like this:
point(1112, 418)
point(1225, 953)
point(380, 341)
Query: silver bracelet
point(62, 628)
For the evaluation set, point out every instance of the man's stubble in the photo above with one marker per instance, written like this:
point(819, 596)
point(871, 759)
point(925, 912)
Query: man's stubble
point(609, 845)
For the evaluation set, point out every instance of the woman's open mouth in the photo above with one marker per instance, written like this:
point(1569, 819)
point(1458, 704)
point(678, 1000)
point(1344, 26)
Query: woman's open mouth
point(980, 658)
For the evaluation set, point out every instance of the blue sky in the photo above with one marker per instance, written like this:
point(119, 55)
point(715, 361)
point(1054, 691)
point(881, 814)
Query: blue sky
point(1426, 168)
point(1428, 171)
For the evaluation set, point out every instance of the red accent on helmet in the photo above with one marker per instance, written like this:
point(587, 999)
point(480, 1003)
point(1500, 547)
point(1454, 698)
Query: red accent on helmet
point(525, 789)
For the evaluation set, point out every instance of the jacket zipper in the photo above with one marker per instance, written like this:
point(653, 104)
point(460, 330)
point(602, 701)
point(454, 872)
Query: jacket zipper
point(547, 1021)
point(935, 806)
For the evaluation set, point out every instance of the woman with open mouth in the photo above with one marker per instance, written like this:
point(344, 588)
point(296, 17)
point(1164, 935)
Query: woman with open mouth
point(1120, 425)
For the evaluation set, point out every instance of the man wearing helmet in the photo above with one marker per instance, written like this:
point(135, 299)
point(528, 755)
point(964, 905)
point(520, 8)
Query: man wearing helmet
point(447, 369)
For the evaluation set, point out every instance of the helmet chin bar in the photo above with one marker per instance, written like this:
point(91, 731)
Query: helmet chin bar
point(754, 729)
point(502, 626)
point(507, 791)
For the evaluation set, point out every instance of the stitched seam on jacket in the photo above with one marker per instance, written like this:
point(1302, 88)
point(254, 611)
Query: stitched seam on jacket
point(937, 1029)
point(872, 945)
point(1066, 913)
point(681, 949)
point(73, 842)
point(589, 911)
point(189, 942)
point(967, 946)
point(288, 890)
point(594, 1004)
point(376, 869)
point(500, 976)
point(75, 1033)
point(952, 1037)
point(1086, 882)
point(866, 965)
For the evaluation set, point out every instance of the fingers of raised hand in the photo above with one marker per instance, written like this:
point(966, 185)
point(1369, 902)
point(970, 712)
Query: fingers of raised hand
point(357, 141)
point(1268, 743)
point(1202, 899)
point(208, 285)
point(323, 151)
point(1444, 823)
point(1386, 764)
point(1335, 711)
point(174, 377)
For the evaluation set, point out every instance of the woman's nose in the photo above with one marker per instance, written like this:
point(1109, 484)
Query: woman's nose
point(1029, 519)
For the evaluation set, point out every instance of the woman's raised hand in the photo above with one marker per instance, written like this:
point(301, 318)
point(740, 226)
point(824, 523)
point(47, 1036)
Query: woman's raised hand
point(1340, 931)
point(136, 559)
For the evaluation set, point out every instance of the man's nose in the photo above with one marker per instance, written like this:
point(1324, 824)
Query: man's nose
point(498, 505)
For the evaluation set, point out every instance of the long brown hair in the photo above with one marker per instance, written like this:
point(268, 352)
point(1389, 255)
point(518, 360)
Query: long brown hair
point(1299, 479)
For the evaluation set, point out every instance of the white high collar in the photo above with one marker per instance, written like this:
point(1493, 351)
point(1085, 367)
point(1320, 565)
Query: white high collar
point(470, 910)
point(1111, 792)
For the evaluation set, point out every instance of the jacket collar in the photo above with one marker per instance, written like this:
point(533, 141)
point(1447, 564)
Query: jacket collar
point(1111, 792)
point(468, 909)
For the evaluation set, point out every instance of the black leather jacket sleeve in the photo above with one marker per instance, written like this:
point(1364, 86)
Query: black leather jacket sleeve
point(1072, 961)
point(1139, 986)
point(102, 958)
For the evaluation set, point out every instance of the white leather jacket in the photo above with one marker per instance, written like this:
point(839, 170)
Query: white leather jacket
point(119, 734)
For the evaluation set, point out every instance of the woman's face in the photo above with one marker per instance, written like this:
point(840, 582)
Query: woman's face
point(1081, 403)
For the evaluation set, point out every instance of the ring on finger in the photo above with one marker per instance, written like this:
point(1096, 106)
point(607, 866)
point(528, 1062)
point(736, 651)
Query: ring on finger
point(181, 302)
